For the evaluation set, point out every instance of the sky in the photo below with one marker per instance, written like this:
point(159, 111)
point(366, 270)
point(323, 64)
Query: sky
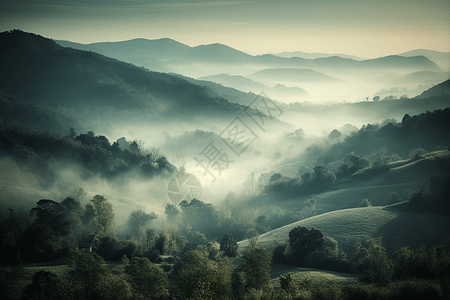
point(365, 28)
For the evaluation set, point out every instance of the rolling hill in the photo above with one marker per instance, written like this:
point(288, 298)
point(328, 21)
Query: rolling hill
point(398, 228)
point(341, 218)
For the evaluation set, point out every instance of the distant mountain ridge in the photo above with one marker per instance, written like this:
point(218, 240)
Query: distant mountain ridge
point(151, 53)
point(315, 55)
point(39, 71)
point(442, 59)
point(292, 74)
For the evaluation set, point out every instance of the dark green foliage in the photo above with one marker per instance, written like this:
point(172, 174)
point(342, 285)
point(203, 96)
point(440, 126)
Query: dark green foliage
point(373, 261)
point(413, 289)
point(282, 187)
point(137, 220)
point(147, 279)
point(110, 248)
point(13, 225)
point(303, 242)
point(95, 153)
point(254, 270)
point(198, 214)
point(228, 245)
point(434, 198)
point(197, 277)
point(10, 276)
point(44, 238)
point(427, 130)
point(433, 264)
point(86, 271)
point(352, 163)
point(47, 285)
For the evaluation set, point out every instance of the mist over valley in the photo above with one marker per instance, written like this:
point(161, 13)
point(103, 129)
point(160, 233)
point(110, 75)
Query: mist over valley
point(156, 154)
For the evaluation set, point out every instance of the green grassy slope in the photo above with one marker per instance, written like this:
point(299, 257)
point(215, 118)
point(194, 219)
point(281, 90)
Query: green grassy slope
point(398, 227)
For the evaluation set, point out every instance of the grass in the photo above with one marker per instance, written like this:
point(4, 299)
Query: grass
point(398, 228)
point(307, 276)
point(346, 222)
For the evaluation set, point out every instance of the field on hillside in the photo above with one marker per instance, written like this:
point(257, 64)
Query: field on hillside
point(306, 276)
point(398, 228)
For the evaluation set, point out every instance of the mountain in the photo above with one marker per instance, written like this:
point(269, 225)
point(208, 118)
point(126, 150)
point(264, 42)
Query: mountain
point(442, 59)
point(438, 90)
point(236, 81)
point(101, 90)
point(314, 55)
point(291, 91)
point(423, 78)
point(170, 56)
point(292, 75)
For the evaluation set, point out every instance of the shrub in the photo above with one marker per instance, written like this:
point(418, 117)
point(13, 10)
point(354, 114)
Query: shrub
point(365, 203)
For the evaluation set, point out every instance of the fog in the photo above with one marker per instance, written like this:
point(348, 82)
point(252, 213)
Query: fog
point(308, 113)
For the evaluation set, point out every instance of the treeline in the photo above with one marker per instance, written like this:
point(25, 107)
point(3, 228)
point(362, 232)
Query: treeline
point(428, 131)
point(204, 273)
point(37, 150)
point(323, 178)
point(51, 229)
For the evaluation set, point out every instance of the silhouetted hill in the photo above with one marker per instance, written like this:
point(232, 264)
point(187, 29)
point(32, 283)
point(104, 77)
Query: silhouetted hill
point(236, 81)
point(37, 70)
point(314, 55)
point(438, 90)
point(423, 78)
point(442, 59)
point(292, 74)
point(149, 53)
point(395, 61)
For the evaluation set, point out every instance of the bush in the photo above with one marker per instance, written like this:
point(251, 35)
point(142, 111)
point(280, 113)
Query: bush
point(374, 262)
point(365, 203)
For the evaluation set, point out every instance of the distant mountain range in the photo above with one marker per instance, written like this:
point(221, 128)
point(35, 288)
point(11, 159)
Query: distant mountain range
point(292, 75)
point(236, 81)
point(171, 56)
point(315, 55)
point(100, 90)
point(442, 59)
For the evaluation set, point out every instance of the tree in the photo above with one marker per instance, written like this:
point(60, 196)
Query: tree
point(46, 285)
point(86, 270)
point(254, 268)
point(45, 238)
point(252, 185)
point(138, 219)
point(197, 277)
point(377, 268)
point(104, 214)
point(353, 163)
point(53, 215)
point(171, 211)
point(146, 278)
point(229, 245)
point(303, 242)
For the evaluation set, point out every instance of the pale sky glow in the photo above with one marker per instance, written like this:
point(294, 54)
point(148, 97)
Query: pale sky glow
point(363, 28)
